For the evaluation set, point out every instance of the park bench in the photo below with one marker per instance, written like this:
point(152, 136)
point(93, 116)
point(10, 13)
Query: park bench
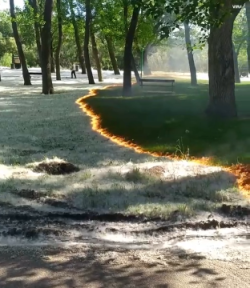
point(157, 80)
point(35, 73)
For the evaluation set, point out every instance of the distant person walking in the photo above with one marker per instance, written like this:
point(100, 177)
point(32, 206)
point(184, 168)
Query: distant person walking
point(73, 72)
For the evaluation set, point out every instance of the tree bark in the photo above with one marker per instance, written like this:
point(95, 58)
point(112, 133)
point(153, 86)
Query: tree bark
point(77, 39)
point(221, 70)
point(247, 5)
point(33, 4)
point(127, 83)
point(190, 55)
point(46, 49)
point(52, 60)
point(236, 66)
point(244, 38)
point(96, 55)
point(146, 68)
point(86, 42)
point(60, 35)
point(134, 68)
point(26, 76)
point(112, 55)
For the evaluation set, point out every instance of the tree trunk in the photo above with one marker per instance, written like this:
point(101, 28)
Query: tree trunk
point(86, 42)
point(77, 39)
point(127, 84)
point(96, 55)
point(46, 48)
point(221, 70)
point(26, 76)
point(189, 48)
point(33, 4)
point(236, 66)
point(146, 68)
point(59, 44)
point(52, 60)
point(134, 68)
point(247, 4)
point(112, 55)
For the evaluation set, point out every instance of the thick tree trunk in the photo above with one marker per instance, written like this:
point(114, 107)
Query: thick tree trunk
point(86, 42)
point(221, 70)
point(77, 39)
point(59, 43)
point(26, 76)
point(146, 68)
point(46, 49)
point(134, 68)
point(112, 55)
point(247, 4)
point(236, 66)
point(190, 55)
point(127, 83)
point(33, 4)
point(96, 55)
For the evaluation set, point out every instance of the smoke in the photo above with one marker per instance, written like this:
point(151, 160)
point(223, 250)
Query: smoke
point(174, 59)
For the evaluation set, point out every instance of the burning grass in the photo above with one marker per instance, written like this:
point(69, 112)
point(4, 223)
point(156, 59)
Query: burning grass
point(175, 126)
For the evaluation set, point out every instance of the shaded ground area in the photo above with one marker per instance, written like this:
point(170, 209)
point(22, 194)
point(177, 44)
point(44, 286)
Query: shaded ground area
point(99, 268)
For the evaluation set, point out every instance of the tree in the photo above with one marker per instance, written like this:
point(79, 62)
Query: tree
point(221, 69)
point(247, 4)
point(26, 76)
point(37, 27)
point(190, 54)
point(77, 38)
point(217, 17)
point(112, 54)
point(127, 84)
point(236, 66)
point(59, 42)
point(240, 32)
point(86, 41)
point(110, 28)
point(146, 68)
point(96, 54)
point(46, 48)
point(7, 42)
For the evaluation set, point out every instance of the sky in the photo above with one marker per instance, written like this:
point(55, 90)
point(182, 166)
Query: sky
point(4, 4)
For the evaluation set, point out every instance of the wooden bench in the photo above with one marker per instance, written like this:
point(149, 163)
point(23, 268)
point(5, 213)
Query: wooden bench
point(155, 80)
point(35, 73)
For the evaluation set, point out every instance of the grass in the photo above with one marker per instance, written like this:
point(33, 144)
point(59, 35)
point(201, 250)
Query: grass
point(111, 178)
point(177, 124)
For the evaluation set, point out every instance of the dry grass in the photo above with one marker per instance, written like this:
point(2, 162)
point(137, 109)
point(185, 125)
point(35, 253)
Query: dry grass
point(39, 129)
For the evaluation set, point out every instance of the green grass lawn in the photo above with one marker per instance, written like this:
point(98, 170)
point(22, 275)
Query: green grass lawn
point(176, 124)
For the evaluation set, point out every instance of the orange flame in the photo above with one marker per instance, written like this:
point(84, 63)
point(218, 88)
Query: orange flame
point(242, 172)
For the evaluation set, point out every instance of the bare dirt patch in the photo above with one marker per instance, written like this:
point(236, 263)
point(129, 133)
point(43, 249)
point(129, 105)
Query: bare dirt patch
point(29, 194)
point(235, 211)
point(156, 171)
point(56, 168)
